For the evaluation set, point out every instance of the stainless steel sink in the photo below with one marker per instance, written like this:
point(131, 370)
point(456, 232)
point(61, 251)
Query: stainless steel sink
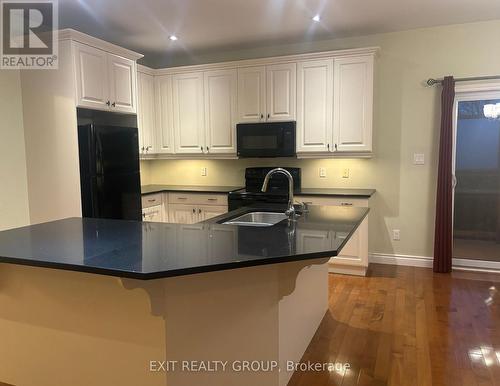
point(258, 219)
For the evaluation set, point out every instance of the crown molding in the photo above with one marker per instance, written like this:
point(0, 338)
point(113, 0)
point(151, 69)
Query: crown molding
point(369, 51)
point(73, 35)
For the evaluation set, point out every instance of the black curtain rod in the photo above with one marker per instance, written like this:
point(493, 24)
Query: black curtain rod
point(432, 82)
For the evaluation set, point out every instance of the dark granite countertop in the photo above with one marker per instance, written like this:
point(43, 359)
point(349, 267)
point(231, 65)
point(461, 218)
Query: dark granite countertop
point(343, 192)
point(140, 250)
point(148, 189)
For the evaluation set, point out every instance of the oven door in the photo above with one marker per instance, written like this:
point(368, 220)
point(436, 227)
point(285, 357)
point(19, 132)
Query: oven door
point(270, 139)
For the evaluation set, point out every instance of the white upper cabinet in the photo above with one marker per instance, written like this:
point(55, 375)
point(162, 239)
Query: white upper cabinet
point(188, 114)
point(197, 108)
point(251, 94)
point(353, 100)
point(281, 82)
point(104, 81)
point(146, 113)
point(122, 82)
point(314, 105)
point(91, 77)
point(220, 111)
point(164, 114)
point(267, 93)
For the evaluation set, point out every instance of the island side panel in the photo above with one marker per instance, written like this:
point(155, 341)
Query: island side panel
point(230, 316)
point(301, 309)
point(70, 328)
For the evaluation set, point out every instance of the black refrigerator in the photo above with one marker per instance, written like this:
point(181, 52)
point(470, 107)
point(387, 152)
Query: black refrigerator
point(109, 165)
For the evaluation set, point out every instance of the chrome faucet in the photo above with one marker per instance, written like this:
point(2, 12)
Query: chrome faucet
point(290, 212)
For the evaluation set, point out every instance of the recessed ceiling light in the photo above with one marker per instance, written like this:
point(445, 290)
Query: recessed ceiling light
point(316, 18)
point(173, 38)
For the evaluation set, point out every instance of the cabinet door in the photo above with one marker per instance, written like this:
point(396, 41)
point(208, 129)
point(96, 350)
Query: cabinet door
point(122, 83)
point(189, 130)
point(146, 113)
point(251, 94)
point(352, 106)
point(91, 77)
point(182, 214)
point(220, 111)
point(314, 106)
point(164, 118)
point(208, 211)
point(153, 214)
point(281, 82)
point(192, 243)
point(222, 242)
point(310, 241)
point(355, 252)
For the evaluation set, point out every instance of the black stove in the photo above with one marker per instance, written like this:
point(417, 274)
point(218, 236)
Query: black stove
point(277, 191)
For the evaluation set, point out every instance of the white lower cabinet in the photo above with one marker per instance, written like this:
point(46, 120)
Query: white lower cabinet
point(182, 214)
point(153, 214)
point(183, 208)
point(353, 259)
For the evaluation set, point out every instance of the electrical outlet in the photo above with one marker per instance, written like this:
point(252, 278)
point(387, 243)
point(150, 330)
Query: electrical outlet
point(203, 172)
point(418, 159)
point(345, 173)
point(396, 235)
point(322, 172)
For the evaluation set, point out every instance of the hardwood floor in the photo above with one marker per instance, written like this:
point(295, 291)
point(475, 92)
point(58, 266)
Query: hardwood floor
point(406, 326)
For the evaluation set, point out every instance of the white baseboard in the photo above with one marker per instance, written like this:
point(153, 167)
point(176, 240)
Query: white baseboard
point(476, 265)
point(408, 260)
point(426, 262)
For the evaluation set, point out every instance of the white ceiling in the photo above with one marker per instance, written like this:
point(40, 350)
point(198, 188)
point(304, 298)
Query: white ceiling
point(211, 25)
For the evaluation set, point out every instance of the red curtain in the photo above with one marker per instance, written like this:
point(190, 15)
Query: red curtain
point(443, 233)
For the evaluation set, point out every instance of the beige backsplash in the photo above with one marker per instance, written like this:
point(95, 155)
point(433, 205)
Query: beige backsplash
point(232, 172)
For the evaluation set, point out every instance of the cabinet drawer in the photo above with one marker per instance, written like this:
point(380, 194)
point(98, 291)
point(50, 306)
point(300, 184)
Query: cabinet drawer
point(197, 198)
point(336, 201)
point(150, 200)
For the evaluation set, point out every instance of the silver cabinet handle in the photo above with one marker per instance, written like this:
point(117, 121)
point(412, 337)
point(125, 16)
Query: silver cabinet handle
point(261, 116)
point(113, 104)
point(328, 146)
point(208, 149)
point(108, 103)
point(268, 116)
point(212, 199)
point(201, 148)
point(199, 211)
point(182, 198)
point(194, 210)
point(346, 203)
point(335, 147)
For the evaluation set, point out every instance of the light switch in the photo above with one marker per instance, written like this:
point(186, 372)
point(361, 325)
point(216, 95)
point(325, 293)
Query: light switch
point(345, 173)
point(203, 172)
point(322, 172)
point(418, 159)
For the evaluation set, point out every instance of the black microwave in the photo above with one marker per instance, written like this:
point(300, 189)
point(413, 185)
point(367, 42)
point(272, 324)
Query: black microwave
point(266, 139)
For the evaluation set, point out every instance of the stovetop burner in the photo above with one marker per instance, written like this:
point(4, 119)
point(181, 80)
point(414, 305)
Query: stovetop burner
point(277, 191)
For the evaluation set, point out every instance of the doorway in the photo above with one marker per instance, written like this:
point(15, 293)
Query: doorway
point(476, 220)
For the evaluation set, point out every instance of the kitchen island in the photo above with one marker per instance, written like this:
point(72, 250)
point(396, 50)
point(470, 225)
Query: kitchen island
point(108, 302)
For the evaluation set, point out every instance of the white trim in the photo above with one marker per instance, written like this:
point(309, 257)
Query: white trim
point(71, 34)
point(426, 262)
point(476, 264)
point(368, 51)
point(477, 86)
point(145, 70)
point(406, 260)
